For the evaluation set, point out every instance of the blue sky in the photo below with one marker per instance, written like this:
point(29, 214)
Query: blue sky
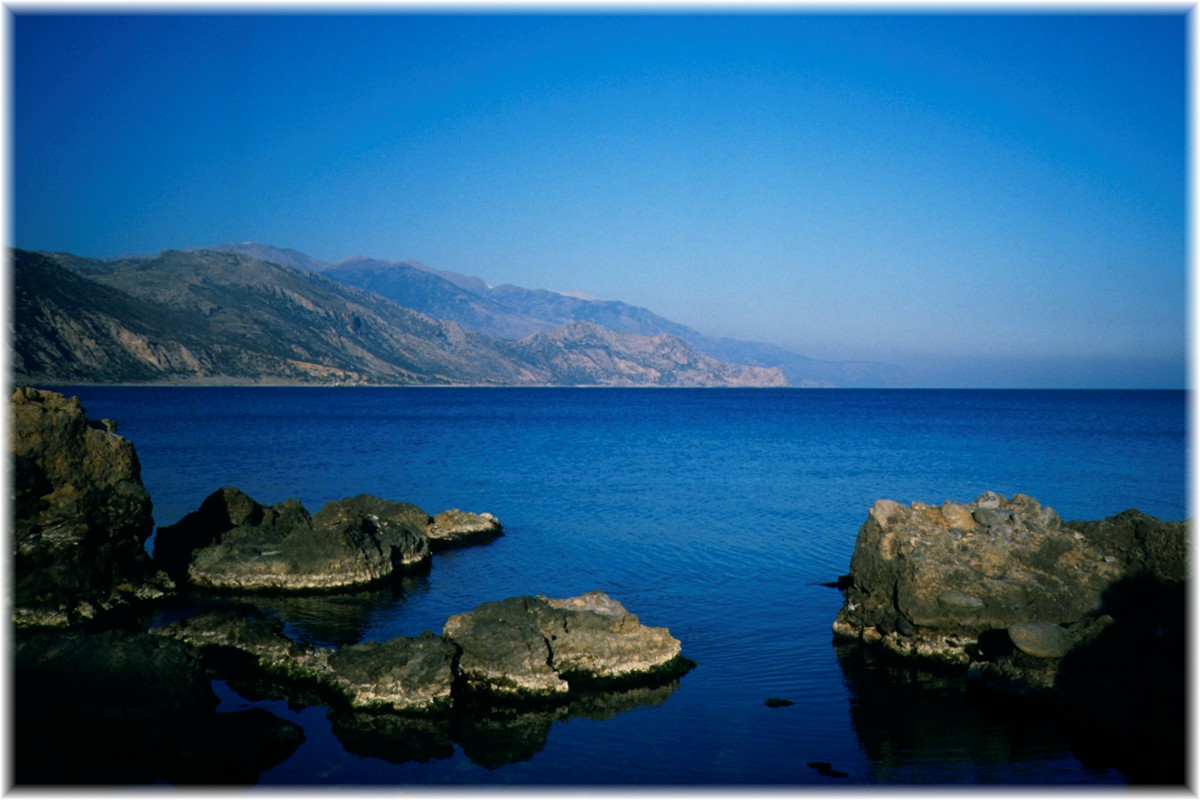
point(986, 200)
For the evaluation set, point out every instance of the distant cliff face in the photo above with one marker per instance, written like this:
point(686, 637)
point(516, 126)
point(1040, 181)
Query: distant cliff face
point(220, 317)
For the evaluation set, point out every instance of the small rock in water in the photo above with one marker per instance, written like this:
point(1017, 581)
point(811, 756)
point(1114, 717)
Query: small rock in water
point(778, 702)
point(826, 769)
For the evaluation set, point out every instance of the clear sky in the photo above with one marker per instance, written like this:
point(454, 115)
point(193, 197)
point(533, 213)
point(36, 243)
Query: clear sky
point(986, 200)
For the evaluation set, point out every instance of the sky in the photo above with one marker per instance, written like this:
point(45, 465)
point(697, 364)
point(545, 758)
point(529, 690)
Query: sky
point(992, 200)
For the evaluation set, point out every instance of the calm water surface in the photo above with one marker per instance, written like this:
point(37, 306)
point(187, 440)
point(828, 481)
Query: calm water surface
point(715, 513)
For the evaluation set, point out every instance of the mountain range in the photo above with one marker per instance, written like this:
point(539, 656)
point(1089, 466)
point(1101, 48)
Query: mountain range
point(511, 312)
point(250, 313)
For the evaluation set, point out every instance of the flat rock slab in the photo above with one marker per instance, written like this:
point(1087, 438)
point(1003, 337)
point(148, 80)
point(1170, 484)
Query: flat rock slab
point(539, 647)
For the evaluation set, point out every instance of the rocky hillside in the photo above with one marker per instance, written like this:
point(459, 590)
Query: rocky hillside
point(221, 317)
point(584, 353)
point(512, 312)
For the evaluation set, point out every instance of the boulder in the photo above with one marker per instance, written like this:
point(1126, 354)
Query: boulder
point(456, 528)
point(81, 515)
point(232, 543)
point(958, 582)
point(1040, 639)
point(535, 647)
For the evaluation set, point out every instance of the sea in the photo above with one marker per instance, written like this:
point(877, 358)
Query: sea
point(721, 514)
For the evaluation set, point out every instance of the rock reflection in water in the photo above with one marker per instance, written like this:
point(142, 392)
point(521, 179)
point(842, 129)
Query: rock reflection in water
point(393, 737)
point(921, 726)
point(338, 618)
point(490, 737)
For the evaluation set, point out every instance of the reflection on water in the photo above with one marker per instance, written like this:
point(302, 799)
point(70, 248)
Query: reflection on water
point(920, 726)
point(332, 619)
point(490, 738)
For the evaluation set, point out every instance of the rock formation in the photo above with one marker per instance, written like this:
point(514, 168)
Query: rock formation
point(233, 543)
point(958, 583)
point(523, 648)
point(81, 515)
point(1080, 624)
point(535, 647)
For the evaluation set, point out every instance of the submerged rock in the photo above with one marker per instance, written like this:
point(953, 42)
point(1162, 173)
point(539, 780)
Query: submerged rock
point(233, 543)
point(81, 515)
point(535, 647)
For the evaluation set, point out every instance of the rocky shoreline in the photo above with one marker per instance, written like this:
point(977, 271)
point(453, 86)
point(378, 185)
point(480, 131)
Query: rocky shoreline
point(99, 678)
point(115, 651)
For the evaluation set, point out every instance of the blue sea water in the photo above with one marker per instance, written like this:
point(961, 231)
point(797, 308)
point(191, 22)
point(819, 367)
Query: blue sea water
point(715, 513)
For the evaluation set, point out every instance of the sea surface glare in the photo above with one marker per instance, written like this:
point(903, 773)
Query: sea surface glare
point(715, 513)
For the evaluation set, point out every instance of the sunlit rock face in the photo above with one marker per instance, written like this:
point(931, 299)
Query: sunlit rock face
point(963, 583)
point(81, 515)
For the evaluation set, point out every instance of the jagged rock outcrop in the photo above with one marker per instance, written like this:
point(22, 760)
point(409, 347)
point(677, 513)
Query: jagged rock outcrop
point(234, 543)
point(81, 515)
point(456, 528)
point(535, 647)
point(999, 582)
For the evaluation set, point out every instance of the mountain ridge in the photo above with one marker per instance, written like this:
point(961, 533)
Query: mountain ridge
point(216, 316)
point(511, 312)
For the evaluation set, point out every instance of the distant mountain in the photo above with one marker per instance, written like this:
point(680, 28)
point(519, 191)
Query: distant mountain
point(218, 317)
point(512, 312)
point(586, 354)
